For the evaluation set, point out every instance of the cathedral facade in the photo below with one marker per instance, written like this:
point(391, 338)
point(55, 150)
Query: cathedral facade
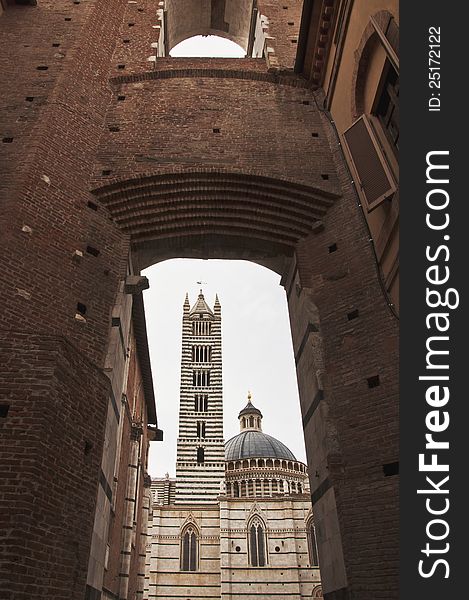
point(237, 519)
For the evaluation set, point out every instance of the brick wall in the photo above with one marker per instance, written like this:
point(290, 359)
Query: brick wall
point(53, 438)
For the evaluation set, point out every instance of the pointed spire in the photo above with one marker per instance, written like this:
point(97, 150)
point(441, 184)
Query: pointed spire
point(217, 305)
point(201, 307)
point(186, 305)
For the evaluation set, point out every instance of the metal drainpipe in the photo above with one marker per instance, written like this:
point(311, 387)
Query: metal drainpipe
point(142, 545)
point(128, 525)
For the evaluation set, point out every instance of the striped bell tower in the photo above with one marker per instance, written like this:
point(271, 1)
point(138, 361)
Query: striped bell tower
point(200, 463)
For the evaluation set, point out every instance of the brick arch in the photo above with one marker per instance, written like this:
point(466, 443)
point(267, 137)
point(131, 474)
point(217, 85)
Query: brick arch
point(368, 42)
point(186, 68)
point(230, 19)
point(222, 214)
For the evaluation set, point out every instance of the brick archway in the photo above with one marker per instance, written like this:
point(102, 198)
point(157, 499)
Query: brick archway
point(226, 18)
point(214, 213)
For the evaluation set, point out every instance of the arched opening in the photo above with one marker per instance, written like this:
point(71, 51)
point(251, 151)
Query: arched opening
point(230, 19)
point(257, 543)
point(204, 213)
point(317, 592)
point(189, 549)
point(207, 46)
point(236, 213)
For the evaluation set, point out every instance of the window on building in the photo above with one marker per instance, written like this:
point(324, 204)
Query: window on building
point(201, 354)
point(257, 543)
point(200, 429)
point(200, 378)
point(200, 456)
point(201, 327)
point(189, 550)
point(201, 403)
point(386, 105)
point(312, 545)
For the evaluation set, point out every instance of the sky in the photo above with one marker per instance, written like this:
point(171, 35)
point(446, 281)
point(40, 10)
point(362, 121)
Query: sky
point(210, 45)
point(256, 341)
point(256, 348)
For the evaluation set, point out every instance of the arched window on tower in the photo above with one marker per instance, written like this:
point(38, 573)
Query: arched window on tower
point(189, 549)
point(257, 543)
point(312, 544)
point(200, 429)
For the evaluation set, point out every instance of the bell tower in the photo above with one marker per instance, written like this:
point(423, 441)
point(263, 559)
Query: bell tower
point(200, 463)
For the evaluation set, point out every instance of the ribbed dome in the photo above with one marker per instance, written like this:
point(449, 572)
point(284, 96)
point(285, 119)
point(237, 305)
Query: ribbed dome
point(256, 444)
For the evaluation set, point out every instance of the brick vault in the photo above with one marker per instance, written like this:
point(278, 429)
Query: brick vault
point(143, 160)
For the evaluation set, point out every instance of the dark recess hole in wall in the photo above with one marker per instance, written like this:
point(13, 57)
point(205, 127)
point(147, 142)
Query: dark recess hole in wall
point(4, 408)
point(332, 248)
point(92, 251)
point(373, 381)
point(391, 469)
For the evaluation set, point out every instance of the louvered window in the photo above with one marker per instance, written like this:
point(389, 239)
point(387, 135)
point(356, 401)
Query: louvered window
point(375, 182)
point(387, 106)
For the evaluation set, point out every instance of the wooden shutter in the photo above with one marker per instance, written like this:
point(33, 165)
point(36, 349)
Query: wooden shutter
point(373, 177)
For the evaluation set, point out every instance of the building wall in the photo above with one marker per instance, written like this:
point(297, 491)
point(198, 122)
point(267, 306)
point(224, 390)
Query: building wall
point(224, 572)
point(348, 97)
point(125, 546)
point(288, 573)
point(52, 444)
point(166, 580)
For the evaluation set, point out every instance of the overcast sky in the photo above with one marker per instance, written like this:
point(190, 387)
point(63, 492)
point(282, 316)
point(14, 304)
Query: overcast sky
point(256, 339)
point(210, 45)
point(256, 346)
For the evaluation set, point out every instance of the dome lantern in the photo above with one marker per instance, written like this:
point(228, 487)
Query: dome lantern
point(250, 418)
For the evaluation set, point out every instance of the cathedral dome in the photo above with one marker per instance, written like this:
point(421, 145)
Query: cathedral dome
point(256, 444)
